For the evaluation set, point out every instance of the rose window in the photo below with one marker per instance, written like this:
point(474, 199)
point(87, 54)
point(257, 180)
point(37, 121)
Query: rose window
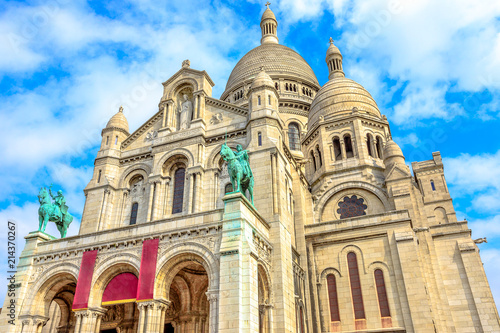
point(351, 207)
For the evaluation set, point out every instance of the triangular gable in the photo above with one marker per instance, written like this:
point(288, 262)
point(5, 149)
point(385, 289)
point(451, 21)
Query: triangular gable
point(142, 131)
point(397, 172)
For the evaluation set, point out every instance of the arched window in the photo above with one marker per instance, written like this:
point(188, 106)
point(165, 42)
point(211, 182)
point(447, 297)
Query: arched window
point(259, 138)
point(379, 147)
point(303, 90)
point(383, 302)
point(228, 188)
point(269, 99)
point(99, 177)
point(369, 141)
point(133, 213)
point(107, 140)
point(440, 215)
point(433, 186)
point(116, 140)
point(293, 136)
point(286, 86)
point(320, 160)
point(276, 85)
point(313, 159)
point(357, 297)
point(348, 146)
point(258, 100)
point(178, 200)
point(337, 152)
point(332, 298)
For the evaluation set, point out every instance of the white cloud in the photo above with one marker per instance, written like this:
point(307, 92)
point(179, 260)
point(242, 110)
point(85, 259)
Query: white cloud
point(431, 47)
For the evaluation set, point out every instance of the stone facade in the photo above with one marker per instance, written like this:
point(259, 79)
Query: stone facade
point(341, 237)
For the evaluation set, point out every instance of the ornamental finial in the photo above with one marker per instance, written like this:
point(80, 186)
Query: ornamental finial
point(331, 40)
point(268, 4)
point(120, 109)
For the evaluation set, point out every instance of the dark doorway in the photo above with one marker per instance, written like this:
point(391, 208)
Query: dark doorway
point(169, 328)
point(109, 331)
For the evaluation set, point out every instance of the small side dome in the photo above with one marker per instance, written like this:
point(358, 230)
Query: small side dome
point(262, 79)
point(268, 14)
point(118, 121)
point(332, 50)
point(392, 149)
point(393, 154)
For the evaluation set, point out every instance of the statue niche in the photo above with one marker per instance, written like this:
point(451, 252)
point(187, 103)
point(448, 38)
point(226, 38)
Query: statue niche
point(185, 110)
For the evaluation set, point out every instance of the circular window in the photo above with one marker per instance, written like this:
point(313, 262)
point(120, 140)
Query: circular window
point(350, 207)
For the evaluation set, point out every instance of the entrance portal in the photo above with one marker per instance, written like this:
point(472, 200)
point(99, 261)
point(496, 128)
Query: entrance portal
point(189, 309)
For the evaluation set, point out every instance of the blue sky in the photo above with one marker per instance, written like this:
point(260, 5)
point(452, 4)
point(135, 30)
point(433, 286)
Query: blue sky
point(66, 66)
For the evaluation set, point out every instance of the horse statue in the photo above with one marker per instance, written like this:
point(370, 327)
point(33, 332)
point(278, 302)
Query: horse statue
point(239, 169)
point(56, 212)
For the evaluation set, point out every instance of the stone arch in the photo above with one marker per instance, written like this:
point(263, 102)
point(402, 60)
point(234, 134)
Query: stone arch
point(141, 168)
point(123, 263)
point(175, 258)
point(158, 168)
point(184, 292)
point(343, 258)
point(440, 215)
point(182, 84)
point(327, 271)
point(390, 287)
point(349, 185)
point(48, 284)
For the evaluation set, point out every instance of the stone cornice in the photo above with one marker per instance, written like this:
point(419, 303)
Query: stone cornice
point(226, 106)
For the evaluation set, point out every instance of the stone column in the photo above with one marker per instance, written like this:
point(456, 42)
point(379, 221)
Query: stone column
point(152, 316)
point(165, 114)
point(213, 300)
point(151, 197)
point(32, 324)
point(126, 193)
point(166, 197)
point(156, 200)
point(190, 194)
point(104, 206)
point(89, 320)
point(199, 187)
point(275, 182)
point(216, 189)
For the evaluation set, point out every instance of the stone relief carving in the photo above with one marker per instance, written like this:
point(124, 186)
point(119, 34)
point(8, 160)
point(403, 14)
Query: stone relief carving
point(216, 118)
point(150, 136)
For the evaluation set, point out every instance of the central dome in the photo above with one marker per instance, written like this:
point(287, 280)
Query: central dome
point(278, 61)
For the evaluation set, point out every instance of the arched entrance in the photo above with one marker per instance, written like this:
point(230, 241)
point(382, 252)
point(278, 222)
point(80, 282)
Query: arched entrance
point(60, 317)
point(118, 300)
point(189, 309)
point(184, 280)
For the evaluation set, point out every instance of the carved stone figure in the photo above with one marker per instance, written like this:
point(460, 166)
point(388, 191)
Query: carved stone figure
point(239, 169)
point(186, 111)
point(56, 212)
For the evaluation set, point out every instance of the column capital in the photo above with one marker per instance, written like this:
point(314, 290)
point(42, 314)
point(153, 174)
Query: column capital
point(96, 311)
point(212, 295)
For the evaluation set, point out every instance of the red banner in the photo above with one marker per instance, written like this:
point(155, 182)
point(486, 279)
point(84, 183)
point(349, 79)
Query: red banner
point(84, 280)
point(121, 289)
point(148, 269)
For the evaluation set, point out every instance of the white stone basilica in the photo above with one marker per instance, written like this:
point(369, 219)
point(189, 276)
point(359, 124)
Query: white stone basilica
point(342, 237)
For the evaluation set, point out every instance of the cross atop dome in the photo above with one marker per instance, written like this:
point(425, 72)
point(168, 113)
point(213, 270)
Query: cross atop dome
point(267, 4)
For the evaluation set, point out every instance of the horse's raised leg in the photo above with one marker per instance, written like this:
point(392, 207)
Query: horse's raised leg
point(40, 222)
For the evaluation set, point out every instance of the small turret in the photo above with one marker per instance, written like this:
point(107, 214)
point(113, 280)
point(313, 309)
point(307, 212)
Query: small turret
point(263, 94)
point(269, 25)
point(115, 131)
point(334, 61)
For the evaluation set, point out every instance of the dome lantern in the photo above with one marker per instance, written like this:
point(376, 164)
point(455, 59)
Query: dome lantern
point(334, 61)
point(268, 25)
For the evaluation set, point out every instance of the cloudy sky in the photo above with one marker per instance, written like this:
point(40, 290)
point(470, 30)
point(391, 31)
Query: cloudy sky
point(67, 65)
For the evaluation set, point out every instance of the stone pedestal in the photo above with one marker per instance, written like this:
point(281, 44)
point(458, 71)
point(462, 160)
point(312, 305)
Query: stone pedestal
point(18, 286)
point(238, 290)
